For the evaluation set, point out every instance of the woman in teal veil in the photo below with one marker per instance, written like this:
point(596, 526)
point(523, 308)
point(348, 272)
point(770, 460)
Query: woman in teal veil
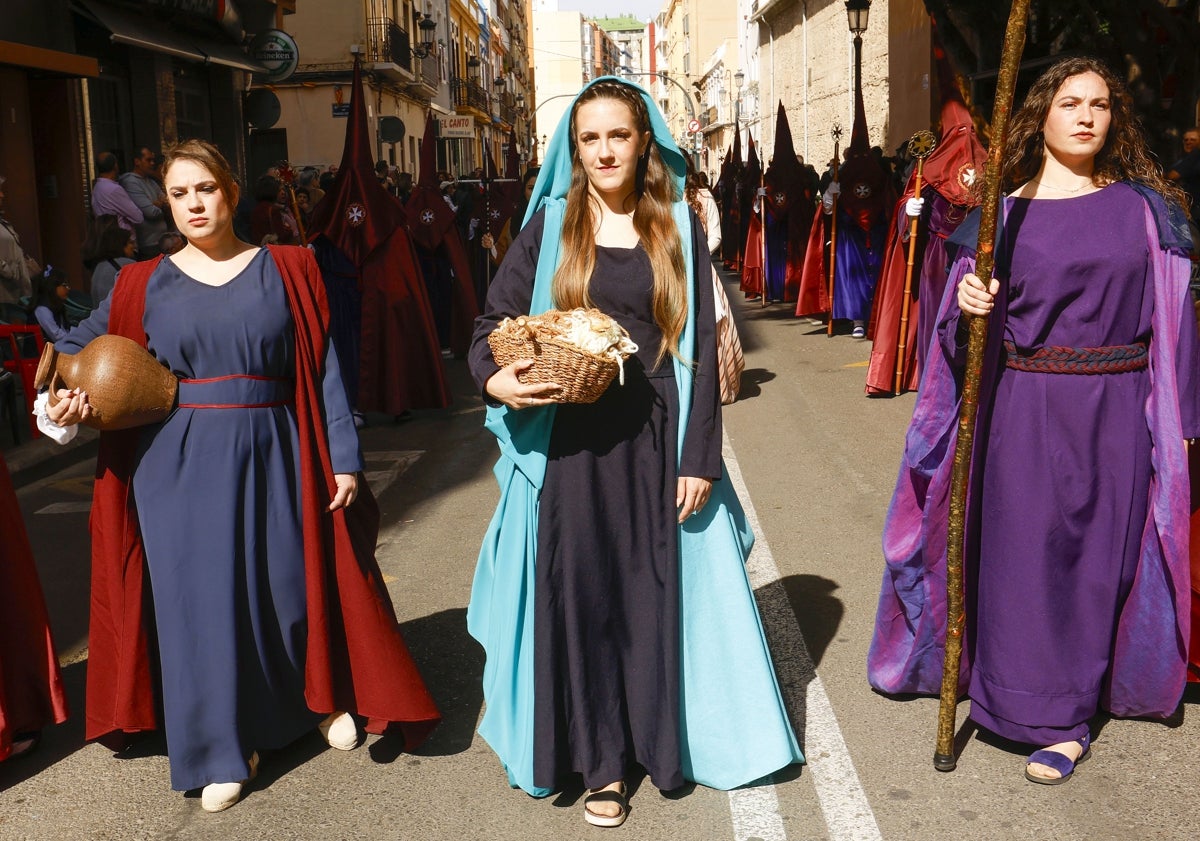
point(611, 596)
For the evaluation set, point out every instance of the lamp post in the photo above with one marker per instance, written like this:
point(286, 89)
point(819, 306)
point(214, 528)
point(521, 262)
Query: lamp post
point(428, 27)
point(739, 78)
point(687, 100)
point(857, 13)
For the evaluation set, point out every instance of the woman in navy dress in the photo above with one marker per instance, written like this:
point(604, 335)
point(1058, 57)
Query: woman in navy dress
point(217, 488)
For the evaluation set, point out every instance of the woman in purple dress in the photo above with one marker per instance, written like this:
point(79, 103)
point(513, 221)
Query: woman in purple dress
point(1077, 553)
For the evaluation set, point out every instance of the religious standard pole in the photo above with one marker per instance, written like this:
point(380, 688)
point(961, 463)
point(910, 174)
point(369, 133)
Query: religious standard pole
point(920, 145)
point(837, 138)
point(944, 758)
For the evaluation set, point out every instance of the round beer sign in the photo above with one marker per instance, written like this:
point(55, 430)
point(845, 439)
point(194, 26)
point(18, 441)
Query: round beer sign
point(277, 51)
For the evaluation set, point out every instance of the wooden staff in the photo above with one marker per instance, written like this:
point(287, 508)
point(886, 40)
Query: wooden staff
point(287, 176)
point(920, 146)
point(837, 156)
point(1014, 42)
point(762, 226)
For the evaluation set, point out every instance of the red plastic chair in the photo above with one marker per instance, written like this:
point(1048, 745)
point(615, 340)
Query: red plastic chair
point(21, 363)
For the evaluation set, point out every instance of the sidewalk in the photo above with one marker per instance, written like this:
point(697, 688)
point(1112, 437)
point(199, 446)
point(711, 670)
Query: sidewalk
point(24, 457)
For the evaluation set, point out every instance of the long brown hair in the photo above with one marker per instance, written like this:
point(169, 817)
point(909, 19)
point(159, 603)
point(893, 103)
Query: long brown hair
point(654, 192)
point(1124, 154)
point(209, 157)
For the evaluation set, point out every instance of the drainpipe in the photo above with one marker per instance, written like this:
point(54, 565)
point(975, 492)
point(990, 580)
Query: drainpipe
point(762, 116)
point(804, 29)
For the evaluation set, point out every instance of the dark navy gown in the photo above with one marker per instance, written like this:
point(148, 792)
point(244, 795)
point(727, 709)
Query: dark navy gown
point(606, 621)
point(218, 496)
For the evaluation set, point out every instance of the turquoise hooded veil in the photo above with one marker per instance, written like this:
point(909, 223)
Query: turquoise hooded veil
point(735, 728)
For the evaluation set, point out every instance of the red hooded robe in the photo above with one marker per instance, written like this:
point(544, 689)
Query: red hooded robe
point(950, 171)
point(399, 358)
point(31, 688)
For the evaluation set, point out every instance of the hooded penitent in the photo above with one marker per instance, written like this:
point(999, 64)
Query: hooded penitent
point(947, 184)
point(866, 196)
point(381, 321)
point(441, 252)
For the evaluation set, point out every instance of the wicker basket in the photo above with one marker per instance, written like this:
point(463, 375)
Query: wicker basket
point(583, 376)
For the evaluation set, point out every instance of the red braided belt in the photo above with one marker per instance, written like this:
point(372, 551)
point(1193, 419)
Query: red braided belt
point(1115, 359)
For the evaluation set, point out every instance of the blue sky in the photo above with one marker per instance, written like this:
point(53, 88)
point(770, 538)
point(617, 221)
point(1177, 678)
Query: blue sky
point(641, 9)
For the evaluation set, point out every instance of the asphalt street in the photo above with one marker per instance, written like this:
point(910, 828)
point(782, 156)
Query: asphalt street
point(815, 461)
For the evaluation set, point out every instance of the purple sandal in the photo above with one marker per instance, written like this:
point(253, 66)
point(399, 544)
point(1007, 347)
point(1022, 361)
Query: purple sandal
point(1059, 762)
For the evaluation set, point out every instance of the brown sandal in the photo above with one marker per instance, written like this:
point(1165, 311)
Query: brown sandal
point(618, 796)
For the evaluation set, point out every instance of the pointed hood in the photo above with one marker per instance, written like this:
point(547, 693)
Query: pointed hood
point(865, 190)
point(358, 214)
point(959, 158)
point(429, 215)
point(783, 179)
point(753, 170)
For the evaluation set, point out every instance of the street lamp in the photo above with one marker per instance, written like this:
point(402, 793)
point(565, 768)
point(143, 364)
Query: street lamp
point(687, 100)
point(857, 12)
point(428, 28)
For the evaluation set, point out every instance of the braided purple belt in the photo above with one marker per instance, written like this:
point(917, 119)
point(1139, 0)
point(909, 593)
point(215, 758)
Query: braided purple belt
point(1115, 359)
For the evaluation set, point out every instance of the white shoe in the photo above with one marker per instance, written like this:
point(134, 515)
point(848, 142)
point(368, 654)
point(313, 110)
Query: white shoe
point(859, 330)
point(339, 731)
point(217, 797)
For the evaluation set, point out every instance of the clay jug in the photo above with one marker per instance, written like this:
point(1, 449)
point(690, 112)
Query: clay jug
point(125, 385)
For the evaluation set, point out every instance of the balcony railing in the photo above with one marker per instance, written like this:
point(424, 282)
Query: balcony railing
point(388, 43)
point(469, 94)
point(429, 71)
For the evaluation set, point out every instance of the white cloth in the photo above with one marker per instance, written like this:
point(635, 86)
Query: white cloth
point(57, 434)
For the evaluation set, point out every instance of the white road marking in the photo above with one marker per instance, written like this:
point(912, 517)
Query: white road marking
point(755, 811)
point(66, 508)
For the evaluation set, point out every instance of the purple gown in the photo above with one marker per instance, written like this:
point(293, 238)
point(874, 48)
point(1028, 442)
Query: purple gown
point(1067, 469)
point(943, 220)
point(859, 261)
point(217, 492)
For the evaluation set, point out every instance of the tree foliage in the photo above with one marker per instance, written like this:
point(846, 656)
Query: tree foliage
point(1155, 42)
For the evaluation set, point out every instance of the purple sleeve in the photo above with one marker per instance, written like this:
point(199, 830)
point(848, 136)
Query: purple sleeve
point(1187, 363)
point(127, 207)
point(952, 339)
point(51, 329)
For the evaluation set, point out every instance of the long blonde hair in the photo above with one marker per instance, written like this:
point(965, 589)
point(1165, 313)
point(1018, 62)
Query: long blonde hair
point(654, 193)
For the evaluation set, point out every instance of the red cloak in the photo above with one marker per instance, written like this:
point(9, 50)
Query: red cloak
point(31, 689)
point(356, 659)
point(1194, 648)
point(813, 295)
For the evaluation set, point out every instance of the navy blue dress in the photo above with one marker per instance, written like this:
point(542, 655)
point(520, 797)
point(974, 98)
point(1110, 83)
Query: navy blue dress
point(607, 621)
point(217, 492)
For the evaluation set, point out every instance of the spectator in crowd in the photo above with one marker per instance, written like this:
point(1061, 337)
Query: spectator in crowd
point(16, 267)
point(1186, 170)
point(267, 220)
point(170, 242)
point(326, 180)
point(142, 185)
point(113, 251)
point(108, 196)
point(49, 309)
point(304, 205)
point(404, 186)
point(309, 179)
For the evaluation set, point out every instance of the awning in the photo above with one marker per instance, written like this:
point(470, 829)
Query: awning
point(149, 33)
point(37, 58)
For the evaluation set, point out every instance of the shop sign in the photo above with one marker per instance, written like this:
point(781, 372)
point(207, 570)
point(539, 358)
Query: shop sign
point(277, 51)
point(456, 125)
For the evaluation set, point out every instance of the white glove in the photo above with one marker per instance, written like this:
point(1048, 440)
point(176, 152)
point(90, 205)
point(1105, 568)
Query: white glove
point(827, 203)
point(762, 191)
point(914, 206)
point(834, 189)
